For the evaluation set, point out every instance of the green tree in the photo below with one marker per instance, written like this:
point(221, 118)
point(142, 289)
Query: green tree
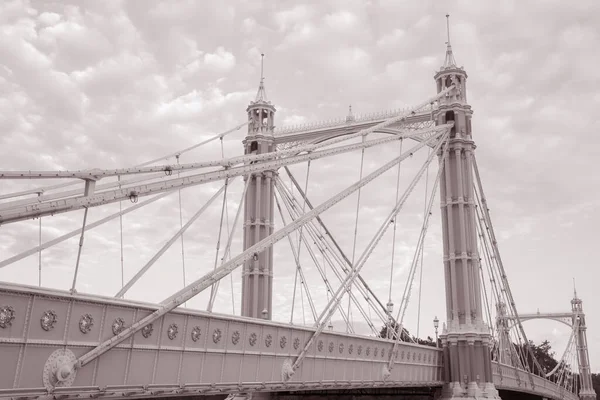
point(405, 337)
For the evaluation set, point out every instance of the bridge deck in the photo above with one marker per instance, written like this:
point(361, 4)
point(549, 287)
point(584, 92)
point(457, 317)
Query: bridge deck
point(195, 352)
point(187, 351)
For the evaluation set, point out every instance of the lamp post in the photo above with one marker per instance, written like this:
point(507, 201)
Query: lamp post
point(436, 324)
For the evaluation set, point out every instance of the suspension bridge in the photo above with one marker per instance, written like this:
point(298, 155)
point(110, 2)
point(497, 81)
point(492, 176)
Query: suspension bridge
point(66, 344)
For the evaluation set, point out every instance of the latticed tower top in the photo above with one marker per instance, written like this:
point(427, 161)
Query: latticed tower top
point(261, 113)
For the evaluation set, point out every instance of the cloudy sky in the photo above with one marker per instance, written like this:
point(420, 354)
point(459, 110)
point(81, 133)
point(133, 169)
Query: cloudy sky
point(113, 83)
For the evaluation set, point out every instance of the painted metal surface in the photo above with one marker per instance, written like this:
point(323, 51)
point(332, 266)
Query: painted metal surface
point(186, 350)
point(509, 378)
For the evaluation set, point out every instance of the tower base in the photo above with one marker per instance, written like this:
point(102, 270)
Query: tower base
point(472, 391)
point(587, 395)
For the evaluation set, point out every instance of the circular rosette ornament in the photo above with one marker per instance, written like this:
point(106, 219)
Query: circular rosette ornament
point(48, 320)
point(196, 332)
point(7, 316)
point(85, 323)
point(118, 326)
point(172, 331)
point(217, 335)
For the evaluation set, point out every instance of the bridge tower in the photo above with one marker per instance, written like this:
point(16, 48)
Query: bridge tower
point(586, 391)
point(257, 274)
point(466, 340)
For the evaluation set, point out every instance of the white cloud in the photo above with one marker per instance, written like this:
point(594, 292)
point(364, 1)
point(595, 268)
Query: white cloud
point(341, 20)
point(220, 59)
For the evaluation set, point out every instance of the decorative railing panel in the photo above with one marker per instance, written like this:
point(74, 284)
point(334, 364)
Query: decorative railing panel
point(186, 350)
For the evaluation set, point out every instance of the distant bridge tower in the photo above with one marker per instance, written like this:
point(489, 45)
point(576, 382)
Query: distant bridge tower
point(466, 339)
point(257, 279)
point(587, 390)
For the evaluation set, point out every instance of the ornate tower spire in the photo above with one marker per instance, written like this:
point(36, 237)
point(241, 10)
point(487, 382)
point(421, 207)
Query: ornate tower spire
point(449, 62)
point(261, 95)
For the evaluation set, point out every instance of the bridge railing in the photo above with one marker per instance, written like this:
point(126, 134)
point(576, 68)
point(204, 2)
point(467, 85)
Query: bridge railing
point(344, 121)
point(510, 378)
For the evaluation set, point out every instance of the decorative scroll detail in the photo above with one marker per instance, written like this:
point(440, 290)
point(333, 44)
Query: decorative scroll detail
point(359, 351)
point(296, 343)
point(7, 316)
point(217, 335)
point(375, 352)
point(390, 353)
point(196, 332)
point(48, 320)
point(414, 356)
point(252, 339)
point(341, 348)
point(330, 347)
point(118, 326)
point(402, 357)
point(268, 340)
point(320, 345)
point(287, 370)
point(342, 121)
point(419, 358)
point(172, 331)
point(235, 337)
point(282, 342)
point(147, 331)
point(85, 323)
point(350, 349)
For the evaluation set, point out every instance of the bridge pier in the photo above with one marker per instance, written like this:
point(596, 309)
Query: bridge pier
point(465, 339)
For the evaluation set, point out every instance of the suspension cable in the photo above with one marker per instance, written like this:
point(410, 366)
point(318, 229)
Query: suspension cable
point(317, 239)
point(121, 238)
point(411, 274)
point(181, 227)
point(75, 232)
point(390, 305)
point(46, 189)
point(227, 250)
point(85, 213)
point(40, 252)
point(422, 250)
point(213, 288)
point(362, 162)
point(207, 280)
point(500, 266)
point(299, 234)
point(289, 203)
point(330, 308)
point(296, 255)
point(107, 197)
point(406, 296)
point(328, 235)
point(167, 245)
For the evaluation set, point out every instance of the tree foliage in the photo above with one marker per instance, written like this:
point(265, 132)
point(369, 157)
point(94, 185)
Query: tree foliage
point(406, 336)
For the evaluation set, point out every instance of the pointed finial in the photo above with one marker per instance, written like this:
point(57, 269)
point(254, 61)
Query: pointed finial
point(449, 61)
point(261, 95)
point(350, 117)
point(574, 289)
point(448, 27)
